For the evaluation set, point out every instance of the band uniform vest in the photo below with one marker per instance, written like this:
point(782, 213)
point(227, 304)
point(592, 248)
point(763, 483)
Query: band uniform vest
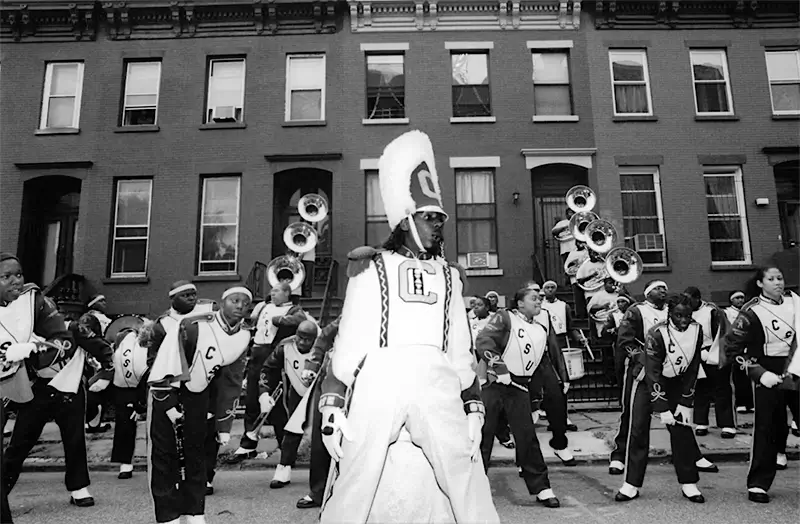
point(651, 316)
point(130, 362)
point(104, 320)
point(265, 329)
point(293, 364)
point(617, 315)
point(526, 345)
point(731, 312)
point(681, 347)
point(703, 317)
point(558, 315)
point(16, 326)
point(777, 321)
point(215, 349)
point(173, 319)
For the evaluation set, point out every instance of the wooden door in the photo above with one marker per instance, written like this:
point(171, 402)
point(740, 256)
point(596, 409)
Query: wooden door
point(548, 212)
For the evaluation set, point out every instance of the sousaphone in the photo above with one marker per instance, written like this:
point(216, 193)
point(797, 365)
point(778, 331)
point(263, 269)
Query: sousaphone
point(581, 199)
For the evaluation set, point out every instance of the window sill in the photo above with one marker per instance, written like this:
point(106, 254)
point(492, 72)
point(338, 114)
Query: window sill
point(657, 269)
point(223, 125)
point(716, 118)
point(384, 121)
point(304, 123)
point(733, 267)
point(484, 272)
point(126, 280)
point(473, 119)
point(137, 129)
point(555, 118)
point(786, 117)
point(222, 277)
point(58, 131)
point(634, 118)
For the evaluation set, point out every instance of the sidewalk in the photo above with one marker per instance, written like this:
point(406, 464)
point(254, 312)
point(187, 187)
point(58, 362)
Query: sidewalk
point(592, 443)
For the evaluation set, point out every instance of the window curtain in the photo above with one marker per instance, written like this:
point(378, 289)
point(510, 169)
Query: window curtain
point(631, 98)
point(724, 223)
point(475, 198)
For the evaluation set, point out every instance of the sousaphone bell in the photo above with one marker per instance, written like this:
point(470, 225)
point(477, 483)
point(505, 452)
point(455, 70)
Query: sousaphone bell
point(579, 222)
point(601, 236)
point(624, 265)
point(313, 208)
point(581, 199)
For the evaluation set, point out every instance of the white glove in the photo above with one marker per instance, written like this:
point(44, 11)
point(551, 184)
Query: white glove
point(505, 378)
point(19, 352)
point(174, 415)
point(667, 418)
point(99, 386)
point(566, 387)
point(266, 402)
point(475, 422)
point(223, 438)
point(307, 376)
point(770, 379)
point(334, 418)
point(704, 355)
point(686, 414)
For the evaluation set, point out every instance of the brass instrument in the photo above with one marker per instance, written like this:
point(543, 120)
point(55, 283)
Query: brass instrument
point(596, 282)
point(624, 265)
point(601, 236)
point(581, 199)
point(579, 222)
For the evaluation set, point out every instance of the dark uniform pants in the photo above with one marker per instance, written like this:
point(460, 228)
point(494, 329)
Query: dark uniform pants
point(125, 402)
point(68, 411)
point(320, 458)
point(554, 401)
point(743, 388)
point(5, 509)
point(252, 409)
point(516, 404)
point(621, 440)
point(685, 452)
point(289, 441)
point(793, 400)
point(173, 497)
point(715, 387)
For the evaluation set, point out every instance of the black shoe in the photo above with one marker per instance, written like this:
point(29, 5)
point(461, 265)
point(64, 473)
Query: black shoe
point(701, 432)
point(796, 432)
point(239, 457)
point(125, 475)
point(572, 427)
point(615, 471)
point(100, 428)
point(710, 469)
point(85, 502)
point(781, 467)
point(509, 444)
point(277, 484)
point(761, 498)
point(621, 497)
point(552, 502)
point(209, 490)
point(307, 503)
point(699, 499)
point(521, 475)
point(728, 435)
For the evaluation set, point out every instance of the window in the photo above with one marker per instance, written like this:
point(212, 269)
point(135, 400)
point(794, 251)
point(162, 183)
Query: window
point(712, 90)
point(552, 95)
point(386, 86)
point(142, 81)
point(225, 90)
point(61, 104)
point(727, 218)
point(377, 223)
point(471, 94)
point(475, 214)
point(131, 227)
point(630, 80)
point(305, 87)
point(219, 225)
point(783, 70)
point(642, 215)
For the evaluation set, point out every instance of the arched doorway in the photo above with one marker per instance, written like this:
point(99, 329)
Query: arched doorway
point(49, 223)
point(787, 183)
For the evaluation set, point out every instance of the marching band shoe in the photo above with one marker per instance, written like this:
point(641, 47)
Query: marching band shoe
point(701, 431)
point(566, 456)
point(241, 454)
point(706, 466)
point(125, 472)
point(282, 477)
point(616, 468)
point(757, 495)
point(209, 489)
point(627, 493)
point(728, 433)
point(307, 502)
point(571, 426)
point(81, 498)
point(176, 521)
point(548, 499)
point(781, 461)
point(521, 474)
point(100, 428)
point(691, 492)
point(509, 444)
point(195, 519)
point(795, 429)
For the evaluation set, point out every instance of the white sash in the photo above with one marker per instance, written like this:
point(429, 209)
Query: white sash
point(526, 346)
point(794, 364)
point(680, 348)
point(265, 329)
point(293, 365)
point(215, 349)
point(130, 362)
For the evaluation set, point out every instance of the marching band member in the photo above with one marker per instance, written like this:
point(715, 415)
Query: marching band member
point(763, 340)
point(717, 380)
point(562, 233)
point(96, 320)
point(195, 382)
point(590, 276)
point(56, 390)
point(515, 345)
point(275, 320)
point(560, 315)
point(403, 350)
point(610, 329)
point(286, 363)
point(602, 304)
point(743, 389)
point(574, 261)
point(494, 299)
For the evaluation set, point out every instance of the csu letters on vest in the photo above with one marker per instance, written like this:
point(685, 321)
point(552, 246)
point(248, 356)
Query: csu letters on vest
point(526, 346)
point(215, 349)
point(130, 362)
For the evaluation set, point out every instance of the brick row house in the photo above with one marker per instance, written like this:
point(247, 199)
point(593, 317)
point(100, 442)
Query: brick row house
point(148, 141)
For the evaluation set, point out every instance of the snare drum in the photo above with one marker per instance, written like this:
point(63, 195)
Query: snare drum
point(122, 322)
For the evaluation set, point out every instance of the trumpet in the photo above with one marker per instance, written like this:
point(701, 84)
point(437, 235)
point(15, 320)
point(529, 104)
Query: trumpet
point(581, 199)
point(579, 222)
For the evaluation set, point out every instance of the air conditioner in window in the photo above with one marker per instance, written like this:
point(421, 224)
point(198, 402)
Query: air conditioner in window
point(648, 242)
point(224, 114)
point(477, 260)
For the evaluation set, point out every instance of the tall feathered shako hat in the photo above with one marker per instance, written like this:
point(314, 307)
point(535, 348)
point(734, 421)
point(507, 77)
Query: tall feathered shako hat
point(408, 179)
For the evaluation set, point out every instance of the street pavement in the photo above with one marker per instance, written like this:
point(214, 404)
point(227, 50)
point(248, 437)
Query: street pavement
point(586, 494)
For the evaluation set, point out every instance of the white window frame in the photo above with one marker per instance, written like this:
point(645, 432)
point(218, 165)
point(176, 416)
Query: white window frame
point(115, 226)
point(726, 74)
point(48, 80)
point(391, 49)
point(564, 49)
point(125, 105)
point(240, 106)
point(770, 82)
point(736, 173)
point(646, 70)
point(288, 105)
point(200, 260)
point(475, 165)
point(655, 173)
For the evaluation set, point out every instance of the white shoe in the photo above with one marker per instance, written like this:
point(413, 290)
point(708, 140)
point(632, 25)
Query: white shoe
point(125, 468)
point(728, 431)
point(741, 409)
point(690, 490)
point(781, 461)
point(176, 521)
point(616, 464)
point(629, 490)
point(82, 493)
point(704, 463)
point(196, 519)
point(282, 477)
point(546, 494)
point(565, 455)
point(535, 417)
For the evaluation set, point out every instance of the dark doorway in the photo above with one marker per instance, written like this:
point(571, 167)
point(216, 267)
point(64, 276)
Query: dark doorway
point(550, 184)
point(787, 182)
point(49, 222)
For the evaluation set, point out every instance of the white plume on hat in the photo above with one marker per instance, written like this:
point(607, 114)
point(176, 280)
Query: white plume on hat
point(397, 163)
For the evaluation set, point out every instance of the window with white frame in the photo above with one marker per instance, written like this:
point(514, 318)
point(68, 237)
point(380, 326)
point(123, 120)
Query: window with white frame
point(642, 214)
point(783, 70)
point(727, 216)
point(305, 87)
point(142, 80)
point(219, 225)
point(476, 217)
point(712, 88)
point(61, 103)
point(630, 79)
point(386, 86)
point(131, 227)
point(552, 93)
point(376, 222)
point(225, 101)
point(471, 93)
